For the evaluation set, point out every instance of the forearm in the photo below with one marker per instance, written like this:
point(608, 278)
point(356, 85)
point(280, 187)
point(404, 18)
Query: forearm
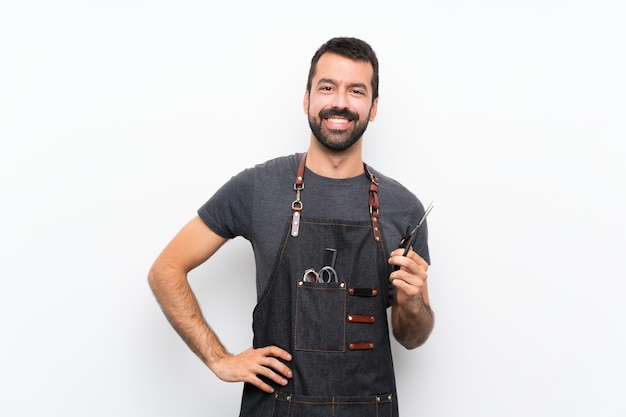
point(412, 323)
point(182, 310)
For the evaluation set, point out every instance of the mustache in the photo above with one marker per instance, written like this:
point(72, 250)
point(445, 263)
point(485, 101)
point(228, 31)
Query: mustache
point(334, 112)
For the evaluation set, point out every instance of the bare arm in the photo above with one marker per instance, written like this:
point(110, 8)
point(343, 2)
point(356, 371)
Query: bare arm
point(411, 316)
point(193, 245)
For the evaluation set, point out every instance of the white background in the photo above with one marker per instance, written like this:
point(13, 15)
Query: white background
point(118, 119)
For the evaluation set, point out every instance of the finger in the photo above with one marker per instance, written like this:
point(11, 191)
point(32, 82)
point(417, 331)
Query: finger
point(408, 289)
point(278, 367)
point(272, 367)
point(276, 352)
point(411, 274)
point(268, 372)
point(415, 257)
point(413, 263)
point(398, 260)
point(260, 384)
point(415, 277)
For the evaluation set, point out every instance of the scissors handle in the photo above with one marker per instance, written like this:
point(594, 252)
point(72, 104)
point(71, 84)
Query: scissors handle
point(328, 274)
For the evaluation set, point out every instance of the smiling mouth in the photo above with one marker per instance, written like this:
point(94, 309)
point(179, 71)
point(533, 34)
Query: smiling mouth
point(338, 120)
point(338, 116)
point(337, 123)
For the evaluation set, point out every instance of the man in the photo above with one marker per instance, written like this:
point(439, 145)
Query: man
point(326, 265)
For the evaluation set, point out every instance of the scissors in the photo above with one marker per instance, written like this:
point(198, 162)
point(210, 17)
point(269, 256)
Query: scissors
point(407, 240)
point(326, 275)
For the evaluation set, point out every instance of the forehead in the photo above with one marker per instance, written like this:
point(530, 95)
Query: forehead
point(343, 70)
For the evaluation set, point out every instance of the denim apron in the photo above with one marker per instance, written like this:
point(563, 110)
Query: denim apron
point(336, 332)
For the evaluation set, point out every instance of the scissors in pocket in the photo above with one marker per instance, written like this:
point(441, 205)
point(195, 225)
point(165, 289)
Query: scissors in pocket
point(325, 275)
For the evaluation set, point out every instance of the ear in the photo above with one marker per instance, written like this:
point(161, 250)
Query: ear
point(374, 109)
point(305, 102)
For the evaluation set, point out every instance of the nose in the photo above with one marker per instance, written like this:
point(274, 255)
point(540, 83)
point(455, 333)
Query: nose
point(340, 100)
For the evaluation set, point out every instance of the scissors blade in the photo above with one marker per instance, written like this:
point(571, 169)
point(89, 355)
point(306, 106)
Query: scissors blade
point(407, 243)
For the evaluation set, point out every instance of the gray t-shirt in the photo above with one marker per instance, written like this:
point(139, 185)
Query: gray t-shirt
point(256, 204)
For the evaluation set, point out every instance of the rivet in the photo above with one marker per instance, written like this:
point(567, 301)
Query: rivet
point(343, 284)
point(377, 398)
point(300, 283)
point(349, 318)
point(389, 397)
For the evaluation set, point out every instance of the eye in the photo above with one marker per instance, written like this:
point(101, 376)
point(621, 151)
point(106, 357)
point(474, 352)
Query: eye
point(358, 92)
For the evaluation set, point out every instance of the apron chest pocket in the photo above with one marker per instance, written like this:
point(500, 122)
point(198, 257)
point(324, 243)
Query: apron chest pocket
point(320, 319)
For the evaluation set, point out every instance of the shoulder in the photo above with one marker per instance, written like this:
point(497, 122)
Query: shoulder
point(400, 209)
point(395, 192)
point(270, 177)
point(265, 174)
point(277, 166)
point(264, 187)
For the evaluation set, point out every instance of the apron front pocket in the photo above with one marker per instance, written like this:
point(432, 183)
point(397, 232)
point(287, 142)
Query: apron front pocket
point(291, 405)
point(320, 319)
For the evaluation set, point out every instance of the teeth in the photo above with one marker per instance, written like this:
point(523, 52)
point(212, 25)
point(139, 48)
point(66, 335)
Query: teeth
point(337, 120)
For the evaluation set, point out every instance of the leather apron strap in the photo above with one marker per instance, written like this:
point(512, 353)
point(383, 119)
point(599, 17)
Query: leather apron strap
point(297, 206)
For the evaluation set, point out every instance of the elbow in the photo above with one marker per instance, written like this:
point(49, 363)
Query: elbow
point(155, 278)
point(414, 332)
point(412, 343)
point(152, 278)
point(164, 278)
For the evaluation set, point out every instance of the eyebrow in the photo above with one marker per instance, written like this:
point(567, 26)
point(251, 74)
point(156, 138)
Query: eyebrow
point(333, 82)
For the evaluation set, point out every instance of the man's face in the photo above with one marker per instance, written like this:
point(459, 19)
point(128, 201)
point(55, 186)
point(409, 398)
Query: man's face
point(339, 105)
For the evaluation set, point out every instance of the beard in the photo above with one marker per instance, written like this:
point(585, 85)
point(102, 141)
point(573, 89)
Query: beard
point(337, 139)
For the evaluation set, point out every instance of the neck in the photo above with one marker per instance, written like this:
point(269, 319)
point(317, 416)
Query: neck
point(334, 164)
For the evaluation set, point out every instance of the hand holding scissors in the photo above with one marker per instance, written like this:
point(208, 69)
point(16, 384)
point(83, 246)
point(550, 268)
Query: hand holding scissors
point(411, 281)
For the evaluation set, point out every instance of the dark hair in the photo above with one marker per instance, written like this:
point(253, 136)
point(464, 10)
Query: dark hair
point(351, 48)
